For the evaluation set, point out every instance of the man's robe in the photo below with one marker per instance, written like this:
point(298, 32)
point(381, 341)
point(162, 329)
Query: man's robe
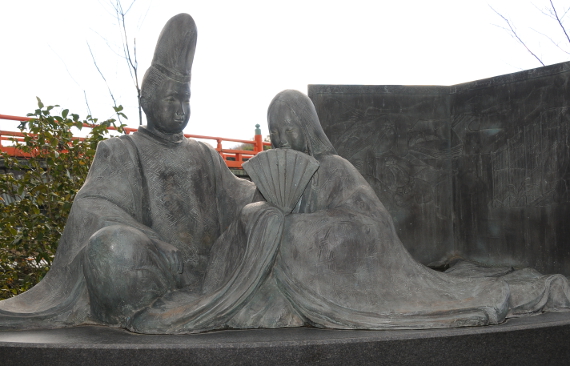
point(171, 188)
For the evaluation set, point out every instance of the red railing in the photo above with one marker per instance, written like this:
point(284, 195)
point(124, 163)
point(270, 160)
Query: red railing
point(233, 158)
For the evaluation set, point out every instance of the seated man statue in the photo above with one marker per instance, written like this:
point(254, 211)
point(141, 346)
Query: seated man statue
point(152, 206)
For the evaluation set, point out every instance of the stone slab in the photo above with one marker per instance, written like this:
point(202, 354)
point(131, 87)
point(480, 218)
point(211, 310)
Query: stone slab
point(479, 169)
point(536, 340)
point(398, 139)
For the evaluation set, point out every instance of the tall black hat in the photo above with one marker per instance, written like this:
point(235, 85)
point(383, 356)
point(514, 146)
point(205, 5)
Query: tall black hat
point(174, 52)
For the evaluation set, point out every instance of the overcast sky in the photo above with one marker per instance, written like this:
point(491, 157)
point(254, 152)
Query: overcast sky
point(249, 50)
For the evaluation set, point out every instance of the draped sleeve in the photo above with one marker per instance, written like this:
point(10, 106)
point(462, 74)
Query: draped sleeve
point(342, 265)
point(111, 194)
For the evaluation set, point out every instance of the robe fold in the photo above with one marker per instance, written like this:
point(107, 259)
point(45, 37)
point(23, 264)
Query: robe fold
point(172, 189)
point(341, 265)
point(244, 255)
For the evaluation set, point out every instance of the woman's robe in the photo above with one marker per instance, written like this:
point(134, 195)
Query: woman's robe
point(341, 265)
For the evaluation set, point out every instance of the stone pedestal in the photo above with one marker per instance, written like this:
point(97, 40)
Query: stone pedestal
point(538, 340)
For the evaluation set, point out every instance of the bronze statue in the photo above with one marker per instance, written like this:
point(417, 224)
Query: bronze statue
point(164, 239)
point(152, 206)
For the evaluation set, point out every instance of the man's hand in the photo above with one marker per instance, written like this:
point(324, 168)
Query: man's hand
point(171, 254)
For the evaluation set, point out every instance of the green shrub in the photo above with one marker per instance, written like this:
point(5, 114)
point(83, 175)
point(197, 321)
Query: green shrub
point(42, 192)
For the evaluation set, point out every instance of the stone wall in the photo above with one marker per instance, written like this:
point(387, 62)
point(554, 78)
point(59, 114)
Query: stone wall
point(479, 169)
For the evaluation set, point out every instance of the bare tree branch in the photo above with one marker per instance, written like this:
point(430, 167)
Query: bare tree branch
point(72, 78)
point(146, 13)
point(559, 21)
point(111, 14)
point(126, 48)
point(515, 35)
point(87, 103)
point(132, 62)
point(107, 43)
point(550, 13)
point(64, 65)
point(104, 79)
point(137, 81)
point(546, 12)
point(557, 45)
point(130, 6)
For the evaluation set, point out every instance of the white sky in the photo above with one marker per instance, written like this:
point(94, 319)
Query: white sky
point(250, 50)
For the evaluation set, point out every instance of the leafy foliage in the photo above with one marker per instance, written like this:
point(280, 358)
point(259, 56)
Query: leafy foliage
point(42, 191)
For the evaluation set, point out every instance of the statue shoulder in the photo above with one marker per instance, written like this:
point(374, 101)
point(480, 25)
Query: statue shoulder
point(335, 161)
point(115, 147)
point(202, 145)
point(342, 168)
point(115, 142)
point(206, 148)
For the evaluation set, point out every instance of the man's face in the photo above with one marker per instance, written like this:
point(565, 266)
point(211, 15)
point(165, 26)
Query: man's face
point(171, 108)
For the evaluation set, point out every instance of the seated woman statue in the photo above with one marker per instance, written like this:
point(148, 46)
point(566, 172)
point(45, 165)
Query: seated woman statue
point(342, 265)
point(339, 262)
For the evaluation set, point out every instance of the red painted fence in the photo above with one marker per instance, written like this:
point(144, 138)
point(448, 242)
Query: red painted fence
point(233, 158)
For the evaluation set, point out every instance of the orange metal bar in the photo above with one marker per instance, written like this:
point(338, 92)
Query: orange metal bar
point(11, 133)
point(14, 118)
point(232, 158)
point(258, 147)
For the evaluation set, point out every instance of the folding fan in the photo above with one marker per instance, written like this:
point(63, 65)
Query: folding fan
point(281, 175)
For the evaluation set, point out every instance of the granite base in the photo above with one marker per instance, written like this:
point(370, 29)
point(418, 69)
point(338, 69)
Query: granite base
point(536, 340)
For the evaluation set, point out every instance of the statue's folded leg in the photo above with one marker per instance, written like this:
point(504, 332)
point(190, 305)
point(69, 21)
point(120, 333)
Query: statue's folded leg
point(259, 227)
point(124, 272)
